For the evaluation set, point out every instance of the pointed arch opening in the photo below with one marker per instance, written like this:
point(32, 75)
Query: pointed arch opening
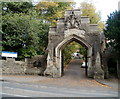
point(66, 41)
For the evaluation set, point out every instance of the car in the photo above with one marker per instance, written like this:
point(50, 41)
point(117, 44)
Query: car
point(84, 65)
point(76, 55)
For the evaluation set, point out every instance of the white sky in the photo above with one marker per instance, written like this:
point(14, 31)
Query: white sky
point(104, 6)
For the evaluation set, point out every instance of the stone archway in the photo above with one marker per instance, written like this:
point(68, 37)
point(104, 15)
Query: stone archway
point(78, 28)
point(66, 41)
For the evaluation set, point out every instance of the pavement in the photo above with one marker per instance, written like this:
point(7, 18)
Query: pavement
point(111, 82)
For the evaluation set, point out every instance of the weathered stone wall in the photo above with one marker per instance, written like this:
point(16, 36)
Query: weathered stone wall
point(10, 66)
point(74, 27)
point(35, 65)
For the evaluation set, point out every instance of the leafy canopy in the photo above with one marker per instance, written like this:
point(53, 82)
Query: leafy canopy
point(23, 32)
point(51, 11)
point(71, 48)
point(88, 9)
point(112, 31)
point(16, 7)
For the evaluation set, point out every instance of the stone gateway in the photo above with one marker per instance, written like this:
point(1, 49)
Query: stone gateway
point(75, 27)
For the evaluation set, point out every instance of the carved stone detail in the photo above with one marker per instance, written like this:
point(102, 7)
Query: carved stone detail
point(80, 33)
point(72, 22)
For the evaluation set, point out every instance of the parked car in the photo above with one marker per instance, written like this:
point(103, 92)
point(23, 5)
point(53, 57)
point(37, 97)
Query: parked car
point(84, 65)
point(76, 55)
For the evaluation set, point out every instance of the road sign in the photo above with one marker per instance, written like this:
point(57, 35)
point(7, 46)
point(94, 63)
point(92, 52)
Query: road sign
point(9, 54)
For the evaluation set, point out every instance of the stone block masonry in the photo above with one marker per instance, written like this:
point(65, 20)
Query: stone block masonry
point(33, 66)
point(10, 66)
point(74, 27)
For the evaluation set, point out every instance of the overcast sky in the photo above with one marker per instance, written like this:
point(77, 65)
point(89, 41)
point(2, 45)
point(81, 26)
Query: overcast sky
point(104, 6)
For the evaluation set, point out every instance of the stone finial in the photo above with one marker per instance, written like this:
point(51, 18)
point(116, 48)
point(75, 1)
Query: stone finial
point(67, 13)
point(77, 13)
point(52, 30)
point(60, 25)
point(94, 28)
point(98, 72)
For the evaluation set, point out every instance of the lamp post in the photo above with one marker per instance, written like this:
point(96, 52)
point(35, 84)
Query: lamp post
point(119, 6)
point(86, 62)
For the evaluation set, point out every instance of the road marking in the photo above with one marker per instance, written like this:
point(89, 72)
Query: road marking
point(43, 86)
point(13, 94)
point(66, 90)
point(65, 93)
point(39, 92)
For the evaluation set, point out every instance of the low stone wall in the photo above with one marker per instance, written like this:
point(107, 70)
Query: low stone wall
point(35, 65)
point(10, 66)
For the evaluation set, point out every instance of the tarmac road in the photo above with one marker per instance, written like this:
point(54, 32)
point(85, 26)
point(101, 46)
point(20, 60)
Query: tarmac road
point(74, 83)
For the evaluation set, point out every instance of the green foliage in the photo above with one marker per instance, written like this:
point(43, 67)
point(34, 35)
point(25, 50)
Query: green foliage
point(24, 29)
point(16, 7)
point(112, 67)
point(112, 31)
point(24, 33)
point(88, 9)
point(53, 10)
point(71, 48)
point(68, 50)
point(82, 51)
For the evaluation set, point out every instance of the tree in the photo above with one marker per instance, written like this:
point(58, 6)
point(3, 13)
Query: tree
point(70, 49)
point(24, 29)
point(16, 7)
point(53, 10)
point(112, 31)
point(88, 9)
point(24, 33)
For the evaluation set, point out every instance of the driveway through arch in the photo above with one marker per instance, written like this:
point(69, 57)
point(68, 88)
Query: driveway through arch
point(67, 40)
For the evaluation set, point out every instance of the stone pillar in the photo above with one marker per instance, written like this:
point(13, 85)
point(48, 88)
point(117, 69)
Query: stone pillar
point(105, 67)
point(49, 69)
point(90, 67)
point(98, 72)
point(90, 72)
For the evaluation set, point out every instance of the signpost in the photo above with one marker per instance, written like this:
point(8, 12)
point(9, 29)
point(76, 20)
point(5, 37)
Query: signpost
point(9, 54)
